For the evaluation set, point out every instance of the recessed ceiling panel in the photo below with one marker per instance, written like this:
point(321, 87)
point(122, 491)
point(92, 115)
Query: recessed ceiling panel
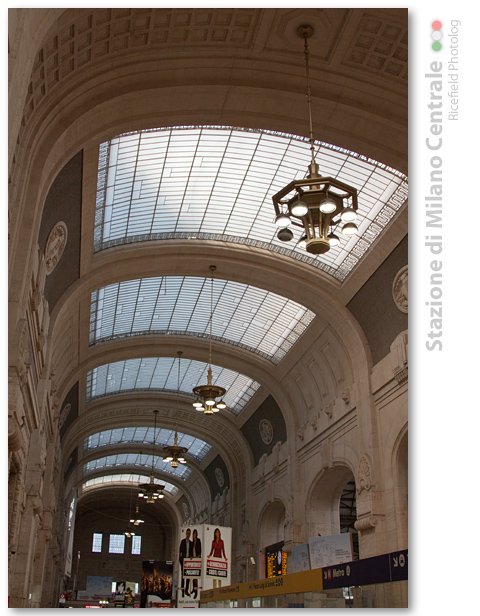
point(217, 183)
point(161, 374)
point(245, 316)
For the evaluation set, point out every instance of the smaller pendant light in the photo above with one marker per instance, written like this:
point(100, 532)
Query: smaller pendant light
point(174, 453)
point(152, 491)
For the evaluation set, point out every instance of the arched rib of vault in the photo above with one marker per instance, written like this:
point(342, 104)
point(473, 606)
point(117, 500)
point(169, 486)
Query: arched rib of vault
point(232, 65)
point(273, 274)
point(196, 498)
point(195, 482)
point(223, 354)
point(129, 409)
point(89, 109)
point(199, 496)
point(164, 507)
point(282, 275)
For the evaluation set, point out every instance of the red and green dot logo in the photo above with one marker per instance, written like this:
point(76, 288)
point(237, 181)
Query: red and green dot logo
point(437, 35)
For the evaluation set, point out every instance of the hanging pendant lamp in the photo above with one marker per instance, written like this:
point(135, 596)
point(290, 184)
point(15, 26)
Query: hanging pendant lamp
point(317, 204)
point(152, 491)
point(207, 394)
point(174, 453)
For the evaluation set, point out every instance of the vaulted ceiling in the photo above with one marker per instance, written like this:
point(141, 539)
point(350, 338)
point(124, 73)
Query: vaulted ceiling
point(160, 136)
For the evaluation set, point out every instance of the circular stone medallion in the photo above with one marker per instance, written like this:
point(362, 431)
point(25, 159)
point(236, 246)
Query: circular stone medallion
point(266, 431)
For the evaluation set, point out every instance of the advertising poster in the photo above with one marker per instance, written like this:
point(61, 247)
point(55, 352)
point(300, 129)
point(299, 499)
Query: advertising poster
point(98, 586)
point(216, 562)
point(157, 580)
point(190, 556)
point(120, 594)
point(330, 550)
point(129, 594)
point(300, 558)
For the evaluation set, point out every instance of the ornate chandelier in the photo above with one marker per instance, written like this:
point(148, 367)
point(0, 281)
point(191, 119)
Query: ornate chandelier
point(318, 204)
point(174, 453)
point(152, 491)
point(207, 394)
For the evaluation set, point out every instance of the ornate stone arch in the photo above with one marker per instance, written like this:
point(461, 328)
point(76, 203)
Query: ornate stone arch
point(322, 508)
point(271, 523)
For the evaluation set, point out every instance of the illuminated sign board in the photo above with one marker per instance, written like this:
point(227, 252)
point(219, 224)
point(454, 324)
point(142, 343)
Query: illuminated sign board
point(275, 560)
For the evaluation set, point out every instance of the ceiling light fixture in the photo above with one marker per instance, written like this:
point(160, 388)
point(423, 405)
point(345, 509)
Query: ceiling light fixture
point(136, 520)
point(174, 453)
point(130, 532)
point(318, 203)
point(207, 394)
point(152, 491)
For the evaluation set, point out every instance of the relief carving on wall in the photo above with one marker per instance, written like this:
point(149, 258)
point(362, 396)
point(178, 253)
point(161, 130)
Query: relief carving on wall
point(64, 415)
point(55, 246)
point(219, 477)
point(400, 289)
point(266, 431)
point(364, 475)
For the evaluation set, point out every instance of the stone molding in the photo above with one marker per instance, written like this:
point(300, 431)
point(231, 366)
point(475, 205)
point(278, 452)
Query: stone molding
point(364, 475)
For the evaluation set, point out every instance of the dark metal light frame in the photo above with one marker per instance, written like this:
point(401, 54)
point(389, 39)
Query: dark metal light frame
point(317, 203)
point(207, 394)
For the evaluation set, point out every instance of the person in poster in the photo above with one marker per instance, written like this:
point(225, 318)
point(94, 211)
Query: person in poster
point(218, 551)
point(157, 577)
point(185, 552)
point(196, 553)
point(129, 596)
point(218, 547)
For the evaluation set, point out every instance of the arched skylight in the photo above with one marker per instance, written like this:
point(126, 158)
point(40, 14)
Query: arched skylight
point(246, 316)
point(161, 373)
point(124, 479)
point(217, 183)
point(136, 459)
point(144, 435)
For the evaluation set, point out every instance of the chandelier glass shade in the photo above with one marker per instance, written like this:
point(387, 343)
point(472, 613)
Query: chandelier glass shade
point(317, 204)
point(174, 453)
point(207, 395)
point(152, 491)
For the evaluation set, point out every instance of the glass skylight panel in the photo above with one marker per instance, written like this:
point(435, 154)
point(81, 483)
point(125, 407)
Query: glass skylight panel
point(158, 373)
point(136, 459)
point(125, 479)
point(182, 305)
point(145, 435)
point(157, 184)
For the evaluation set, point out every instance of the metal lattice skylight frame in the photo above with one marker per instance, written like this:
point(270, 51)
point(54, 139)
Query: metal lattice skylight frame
point(245, 316)
point(128, 479)
point(136, 459)
point(143, 435)
point(158, 374)
point(216, 183)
